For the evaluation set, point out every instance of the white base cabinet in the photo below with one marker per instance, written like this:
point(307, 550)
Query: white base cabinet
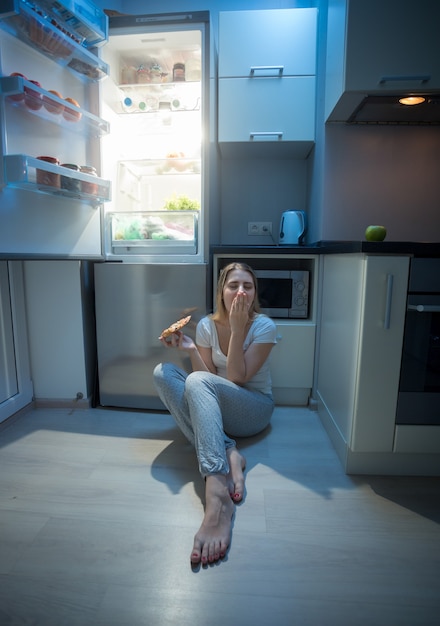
point(292, 362)
point(361, 336)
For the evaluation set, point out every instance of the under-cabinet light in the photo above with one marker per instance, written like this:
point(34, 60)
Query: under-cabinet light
point(410, 100)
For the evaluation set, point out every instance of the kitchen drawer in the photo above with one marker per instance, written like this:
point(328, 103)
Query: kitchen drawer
point(284, 38)
point(266, 109)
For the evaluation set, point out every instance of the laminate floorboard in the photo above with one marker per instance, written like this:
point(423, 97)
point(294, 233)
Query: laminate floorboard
point(98, 509)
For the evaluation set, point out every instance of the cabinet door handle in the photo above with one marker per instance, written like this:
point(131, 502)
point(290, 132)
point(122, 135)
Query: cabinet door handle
point(389, 301)
point(266, 68)
point(261, 134)
point(422, 78)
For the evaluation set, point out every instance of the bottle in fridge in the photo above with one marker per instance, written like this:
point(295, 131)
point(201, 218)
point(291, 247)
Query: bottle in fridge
point(156, 151)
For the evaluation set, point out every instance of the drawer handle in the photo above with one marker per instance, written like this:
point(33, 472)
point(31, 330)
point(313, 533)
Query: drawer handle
point(269, 134)
point(266, 68)
point(424, 308)
point(422, 78)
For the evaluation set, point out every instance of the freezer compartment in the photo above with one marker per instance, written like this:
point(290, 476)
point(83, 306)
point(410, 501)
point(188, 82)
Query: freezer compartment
point(52, 39)
point(35, 100)
point(134, 303)
point(154, 232)
point(25, 172)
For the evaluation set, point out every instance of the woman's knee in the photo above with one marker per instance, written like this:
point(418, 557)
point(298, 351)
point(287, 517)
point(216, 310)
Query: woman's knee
point(164, 372)
point(197, 380)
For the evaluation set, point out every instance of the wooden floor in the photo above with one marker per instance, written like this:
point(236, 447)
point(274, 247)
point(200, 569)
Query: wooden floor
point(98, 509)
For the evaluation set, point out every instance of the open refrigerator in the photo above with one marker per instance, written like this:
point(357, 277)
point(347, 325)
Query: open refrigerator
point(104, 142)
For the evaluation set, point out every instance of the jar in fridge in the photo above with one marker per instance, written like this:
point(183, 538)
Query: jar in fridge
point(178, 72)
point(86, 187)
point(48, 178)
point(68, 183)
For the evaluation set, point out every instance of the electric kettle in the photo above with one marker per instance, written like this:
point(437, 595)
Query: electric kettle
point(293, 227)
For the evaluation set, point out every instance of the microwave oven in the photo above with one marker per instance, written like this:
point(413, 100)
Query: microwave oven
point(284, 293)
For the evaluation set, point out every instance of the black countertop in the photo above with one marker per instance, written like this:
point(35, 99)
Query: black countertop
point(407, 248)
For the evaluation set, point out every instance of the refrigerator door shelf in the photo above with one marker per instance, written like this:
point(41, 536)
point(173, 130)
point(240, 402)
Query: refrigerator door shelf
point(21, 173)
point(44, 104)
point(82, 17)
point(39, 33)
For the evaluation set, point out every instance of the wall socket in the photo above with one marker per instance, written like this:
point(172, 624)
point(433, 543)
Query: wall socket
point(259, 228)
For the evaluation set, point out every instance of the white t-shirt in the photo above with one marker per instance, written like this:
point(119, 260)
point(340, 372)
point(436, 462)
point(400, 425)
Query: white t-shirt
point(262, 330)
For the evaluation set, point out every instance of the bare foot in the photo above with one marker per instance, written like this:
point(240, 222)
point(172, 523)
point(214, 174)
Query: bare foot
point(214, 535)
point(237, 464)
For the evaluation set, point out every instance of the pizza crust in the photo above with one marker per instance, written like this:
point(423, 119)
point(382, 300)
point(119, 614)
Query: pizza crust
point(175, 327)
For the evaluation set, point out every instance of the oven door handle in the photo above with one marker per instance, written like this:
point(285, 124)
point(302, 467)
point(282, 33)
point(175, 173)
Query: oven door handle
point(424, 308)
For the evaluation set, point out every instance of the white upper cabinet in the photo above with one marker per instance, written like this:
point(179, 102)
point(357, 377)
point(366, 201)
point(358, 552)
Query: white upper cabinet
point(284, 39)
point(378, 48)
point(267, 82)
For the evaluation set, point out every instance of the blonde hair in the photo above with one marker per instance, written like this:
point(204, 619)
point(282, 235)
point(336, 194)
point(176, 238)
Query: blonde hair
point(220, 312)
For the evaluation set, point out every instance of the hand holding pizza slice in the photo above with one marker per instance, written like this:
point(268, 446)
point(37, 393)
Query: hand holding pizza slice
point(175, 327)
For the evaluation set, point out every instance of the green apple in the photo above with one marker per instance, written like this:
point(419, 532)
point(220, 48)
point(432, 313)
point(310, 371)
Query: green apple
point(375, 233)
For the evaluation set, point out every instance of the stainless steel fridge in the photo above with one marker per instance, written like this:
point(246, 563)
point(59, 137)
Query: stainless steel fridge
point(134, 303)
point(156, 99)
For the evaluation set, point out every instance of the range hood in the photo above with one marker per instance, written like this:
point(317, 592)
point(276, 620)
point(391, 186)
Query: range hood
point(356, 108)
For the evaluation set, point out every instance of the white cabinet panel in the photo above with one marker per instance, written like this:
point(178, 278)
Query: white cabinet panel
point(417, 439)
point(293, 356)
point(284, 38)
point(283, 108)
point(380, 353)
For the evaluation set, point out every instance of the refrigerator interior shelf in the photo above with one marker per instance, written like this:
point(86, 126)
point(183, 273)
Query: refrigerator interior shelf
point(32, 98)
point(171, 165)
point(137, 233)
point(26, 172)
point(162, 97)
point(23, 22)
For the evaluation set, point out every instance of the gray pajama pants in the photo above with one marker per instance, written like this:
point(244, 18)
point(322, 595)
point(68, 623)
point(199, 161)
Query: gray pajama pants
point(206, 407)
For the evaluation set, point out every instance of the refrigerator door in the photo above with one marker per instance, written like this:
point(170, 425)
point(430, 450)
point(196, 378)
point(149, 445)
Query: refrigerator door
point(156, 99)
point(134, 303)
point(48, 118)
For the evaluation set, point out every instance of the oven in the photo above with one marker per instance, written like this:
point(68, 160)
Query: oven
point(419, 386)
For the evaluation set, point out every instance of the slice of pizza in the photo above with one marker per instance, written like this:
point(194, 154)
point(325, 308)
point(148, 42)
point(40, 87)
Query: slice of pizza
point(175, 327)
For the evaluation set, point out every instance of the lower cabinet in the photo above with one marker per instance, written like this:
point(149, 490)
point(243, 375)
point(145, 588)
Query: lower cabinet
point(292, 362)
point(363, 307)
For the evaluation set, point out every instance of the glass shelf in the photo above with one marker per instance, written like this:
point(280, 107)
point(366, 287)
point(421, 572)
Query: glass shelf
point(171, 166)
point(44, 104)
point(154, 97)
point(25, 172)
point(140, 233)
point(23, 22)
